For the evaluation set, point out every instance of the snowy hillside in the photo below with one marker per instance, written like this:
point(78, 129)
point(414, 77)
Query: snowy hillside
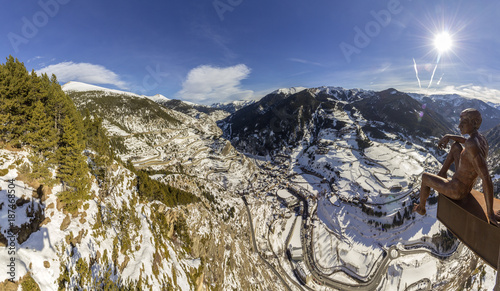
point(279, 120)
point(112, 239)
point(352, 173)
point(450, 106)
point(74, 86)
point(351, 182)
point(202, 112)
point(304, 189)
point(188, 152)
point(232, 107)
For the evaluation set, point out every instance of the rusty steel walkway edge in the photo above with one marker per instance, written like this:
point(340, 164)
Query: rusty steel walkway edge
point(466, 219)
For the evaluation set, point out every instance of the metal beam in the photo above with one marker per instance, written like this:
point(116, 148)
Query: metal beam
point(497, 285)
point(466, 219)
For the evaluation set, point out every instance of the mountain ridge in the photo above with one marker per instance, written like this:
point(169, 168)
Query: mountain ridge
point(172, 203)
point(450, 106)
point(281, 116)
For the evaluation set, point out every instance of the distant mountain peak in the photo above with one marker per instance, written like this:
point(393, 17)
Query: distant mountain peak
point(81, 87)
point(289, 91)
point(158, 98)
point(73, 86)
point(450, 106)
point(390, 91)
point(232, 106)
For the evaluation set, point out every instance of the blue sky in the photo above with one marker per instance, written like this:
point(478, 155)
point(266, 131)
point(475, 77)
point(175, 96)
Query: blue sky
point(209, 51)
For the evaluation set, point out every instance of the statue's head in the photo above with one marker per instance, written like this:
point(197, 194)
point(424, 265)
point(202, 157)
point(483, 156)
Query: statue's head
point(472, 116)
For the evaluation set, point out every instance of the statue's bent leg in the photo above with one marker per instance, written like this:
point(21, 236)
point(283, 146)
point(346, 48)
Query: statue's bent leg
point(453, 157)
point(425, 191)
point(429, 181)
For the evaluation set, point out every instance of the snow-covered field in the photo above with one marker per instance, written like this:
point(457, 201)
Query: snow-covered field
point(360, 216)
point(359, 202)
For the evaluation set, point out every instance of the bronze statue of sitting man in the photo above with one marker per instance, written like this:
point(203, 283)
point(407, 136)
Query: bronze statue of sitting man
point(469, 156)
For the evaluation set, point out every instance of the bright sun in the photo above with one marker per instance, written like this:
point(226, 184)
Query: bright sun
point(443, 42)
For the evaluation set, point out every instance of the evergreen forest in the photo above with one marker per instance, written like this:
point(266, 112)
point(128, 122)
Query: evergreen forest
point(66, 146)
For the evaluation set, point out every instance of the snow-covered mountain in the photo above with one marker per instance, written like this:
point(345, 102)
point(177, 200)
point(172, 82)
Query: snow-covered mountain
point(495, 105)
point(354, 157)
point(450, 106)
point(182, 147)
point(158, 98)
point(493, 137)
point(179, 105)
point(280, 119)
point(195, 110)
point(120, 239)
point(74, 86)
point(307, 188)
point(233, 106)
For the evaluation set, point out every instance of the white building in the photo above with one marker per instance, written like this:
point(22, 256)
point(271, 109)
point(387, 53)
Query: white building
point(287, 198)
point(296, 253)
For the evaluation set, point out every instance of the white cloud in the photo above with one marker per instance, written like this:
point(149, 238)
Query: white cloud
point(473, 91)
point(468, 90)
point(84, 72)
point(208, 84)
point(302, 61)
point(34, 59)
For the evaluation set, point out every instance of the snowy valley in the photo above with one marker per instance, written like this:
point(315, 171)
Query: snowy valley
point(305, 189)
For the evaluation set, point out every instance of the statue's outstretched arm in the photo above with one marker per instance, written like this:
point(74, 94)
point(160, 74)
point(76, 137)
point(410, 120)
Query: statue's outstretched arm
point(446, 138)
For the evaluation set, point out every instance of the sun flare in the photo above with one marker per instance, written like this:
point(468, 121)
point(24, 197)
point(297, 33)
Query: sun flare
point(443, 42)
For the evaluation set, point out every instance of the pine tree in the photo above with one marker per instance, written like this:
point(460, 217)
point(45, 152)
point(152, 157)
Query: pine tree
point(43, 139)
point(73, 168)
point(39, 169)
point(4, 106)
point(59, 105)
point(35, 111)
point(40, 134)
point(14, 87)
point(96, 138)
point(101, 153)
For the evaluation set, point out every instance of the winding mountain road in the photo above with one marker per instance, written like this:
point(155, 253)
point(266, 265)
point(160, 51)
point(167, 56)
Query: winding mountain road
point(391, 254)
point(254, 244)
